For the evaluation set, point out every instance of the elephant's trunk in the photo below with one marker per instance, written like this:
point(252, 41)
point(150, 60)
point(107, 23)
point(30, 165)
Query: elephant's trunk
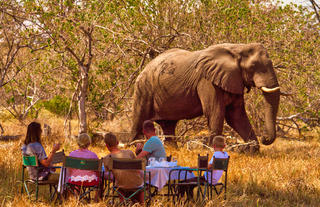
point(272, 98)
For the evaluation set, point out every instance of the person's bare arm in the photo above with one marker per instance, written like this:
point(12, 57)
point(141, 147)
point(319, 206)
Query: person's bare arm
point(139, 148)
point(143, 154)
point(47, 162)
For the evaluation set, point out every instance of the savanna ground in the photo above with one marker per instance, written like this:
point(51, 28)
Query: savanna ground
point(283, 174)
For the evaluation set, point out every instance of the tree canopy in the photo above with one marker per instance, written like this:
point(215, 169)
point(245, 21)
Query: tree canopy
point(91, 51)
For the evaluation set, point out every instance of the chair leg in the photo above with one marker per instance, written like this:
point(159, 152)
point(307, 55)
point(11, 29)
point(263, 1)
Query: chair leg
point(55, 191)
point(26, 187)
point(37, 190)
point(22, 179)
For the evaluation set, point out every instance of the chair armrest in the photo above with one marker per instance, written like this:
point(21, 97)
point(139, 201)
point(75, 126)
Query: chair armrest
point(55, 167)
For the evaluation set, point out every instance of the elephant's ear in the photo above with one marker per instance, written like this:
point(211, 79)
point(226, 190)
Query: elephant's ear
point(221, 66)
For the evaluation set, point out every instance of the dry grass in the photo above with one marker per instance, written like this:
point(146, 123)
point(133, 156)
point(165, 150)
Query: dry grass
point(283, 174)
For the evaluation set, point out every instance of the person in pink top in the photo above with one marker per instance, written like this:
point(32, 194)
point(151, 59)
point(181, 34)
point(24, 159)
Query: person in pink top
point(83, 177)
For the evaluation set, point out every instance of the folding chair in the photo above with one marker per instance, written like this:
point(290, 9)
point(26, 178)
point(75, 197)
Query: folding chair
point(32, 161)
point(219, 164)
point(130, 164)
point(178, 188)
point(84, 189)
point(58, 157)
point(203, 161)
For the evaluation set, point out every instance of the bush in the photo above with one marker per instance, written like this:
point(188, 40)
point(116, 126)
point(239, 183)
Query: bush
point(58, 105)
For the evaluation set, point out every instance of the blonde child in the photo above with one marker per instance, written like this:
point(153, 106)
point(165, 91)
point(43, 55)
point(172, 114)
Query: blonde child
point(218, 146)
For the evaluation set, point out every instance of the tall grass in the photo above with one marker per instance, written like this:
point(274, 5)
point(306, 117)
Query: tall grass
point(283, 174)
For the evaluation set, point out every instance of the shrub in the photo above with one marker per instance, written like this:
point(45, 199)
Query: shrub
point(58, 105)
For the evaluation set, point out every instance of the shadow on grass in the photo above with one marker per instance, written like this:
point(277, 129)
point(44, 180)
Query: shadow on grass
point(9, 137)
point(11, 184)
point(292, 152)
point(253, 192)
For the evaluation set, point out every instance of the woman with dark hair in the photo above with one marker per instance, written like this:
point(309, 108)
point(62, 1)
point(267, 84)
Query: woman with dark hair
point(32, 146)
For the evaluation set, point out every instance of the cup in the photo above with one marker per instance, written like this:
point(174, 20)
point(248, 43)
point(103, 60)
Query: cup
point(162, 159)
point(151, 161)
point(175, 161)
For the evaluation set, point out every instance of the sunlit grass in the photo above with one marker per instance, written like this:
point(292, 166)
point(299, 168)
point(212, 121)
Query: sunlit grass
point(283, 174)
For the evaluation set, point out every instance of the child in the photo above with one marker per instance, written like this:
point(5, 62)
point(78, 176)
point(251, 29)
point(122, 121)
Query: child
point(218, 146)
point(83, 177)
point(125, 179)
point(32, 146)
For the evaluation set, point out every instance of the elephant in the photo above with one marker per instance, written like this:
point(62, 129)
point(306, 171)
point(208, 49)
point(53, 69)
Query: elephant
point(180, 84)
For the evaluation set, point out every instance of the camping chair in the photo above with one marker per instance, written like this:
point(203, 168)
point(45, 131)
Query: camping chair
point(203, 161)
point(177, 188)
point(219, 164)
point(32, 161)
point(83, 190)
point(58, 157)
point(129, 164)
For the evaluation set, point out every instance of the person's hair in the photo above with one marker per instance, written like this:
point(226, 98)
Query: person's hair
point(83, 140)
point(110, 139)
point(33, 133)
point(148, 126)
point(219, 141)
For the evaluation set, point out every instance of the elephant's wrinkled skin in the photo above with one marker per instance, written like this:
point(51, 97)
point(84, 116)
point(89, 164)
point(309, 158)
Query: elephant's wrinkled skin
point(180, 84)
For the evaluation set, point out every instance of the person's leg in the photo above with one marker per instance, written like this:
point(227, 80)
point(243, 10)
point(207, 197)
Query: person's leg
point(53, 177)
point(97, 196)
point(123, 193)
point(140, 197)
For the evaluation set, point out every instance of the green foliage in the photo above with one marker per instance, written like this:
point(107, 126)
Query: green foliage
point(126, 35)
point(58, 105)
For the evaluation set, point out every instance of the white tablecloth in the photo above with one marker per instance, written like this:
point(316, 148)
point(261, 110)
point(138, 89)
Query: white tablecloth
point(160, 175)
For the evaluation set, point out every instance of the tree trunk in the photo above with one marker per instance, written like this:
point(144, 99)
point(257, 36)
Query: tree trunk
point(82, 99)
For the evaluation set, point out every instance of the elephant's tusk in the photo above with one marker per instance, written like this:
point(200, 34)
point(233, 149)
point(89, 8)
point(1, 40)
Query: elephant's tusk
point(286, 94)
point(270, 90)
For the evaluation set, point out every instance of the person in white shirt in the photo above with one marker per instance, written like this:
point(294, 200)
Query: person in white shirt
point(218, 146)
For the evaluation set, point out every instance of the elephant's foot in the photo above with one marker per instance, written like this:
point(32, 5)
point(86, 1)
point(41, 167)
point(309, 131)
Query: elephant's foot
point(169, 141)
point(249, 147)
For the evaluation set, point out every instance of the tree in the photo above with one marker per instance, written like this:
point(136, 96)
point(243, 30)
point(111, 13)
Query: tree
point(68, 27)
point(94, 50)
point(19, 43)
point(15, 37)
point(316, 9)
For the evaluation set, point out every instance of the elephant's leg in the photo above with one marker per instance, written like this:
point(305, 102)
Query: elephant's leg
point(168, 128)
point(237, 118)
point(213, 106)
point(142, 110)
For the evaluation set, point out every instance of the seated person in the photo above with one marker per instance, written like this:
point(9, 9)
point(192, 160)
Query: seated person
point(32, 146)
point(83, 177)
point(218, 146)
point(125, 179)
point(153, 147)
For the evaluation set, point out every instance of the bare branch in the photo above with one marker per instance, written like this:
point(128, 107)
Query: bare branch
point(316, 7)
